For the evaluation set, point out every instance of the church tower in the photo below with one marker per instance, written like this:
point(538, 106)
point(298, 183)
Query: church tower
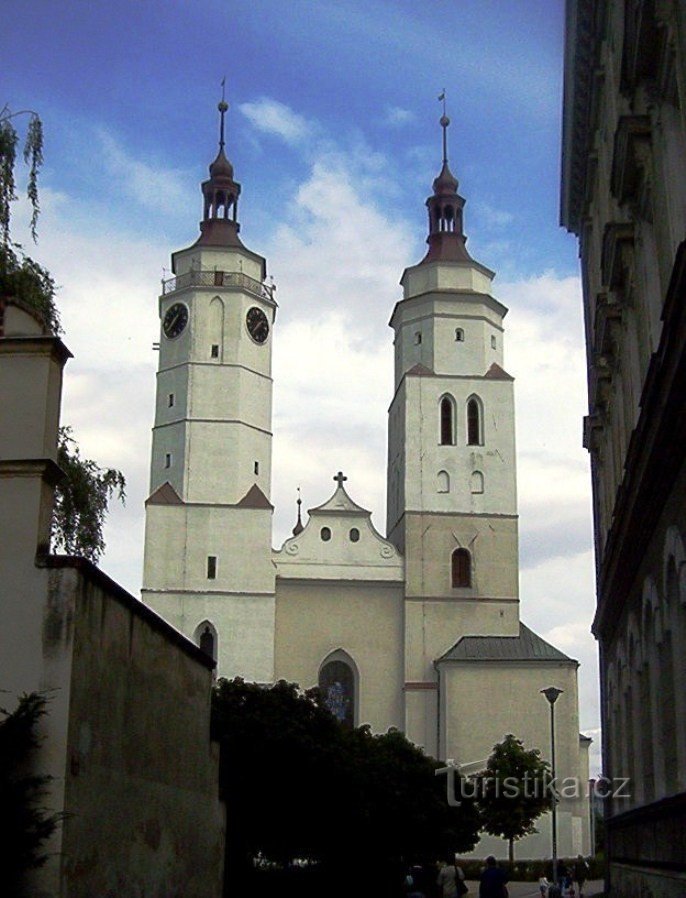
point(451, 488)
point(207, 566)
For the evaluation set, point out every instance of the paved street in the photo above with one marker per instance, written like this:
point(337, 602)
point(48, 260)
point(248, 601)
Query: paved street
point(530, 889)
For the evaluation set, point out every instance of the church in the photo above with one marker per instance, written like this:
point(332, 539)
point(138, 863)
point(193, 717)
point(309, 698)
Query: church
point(417, 629)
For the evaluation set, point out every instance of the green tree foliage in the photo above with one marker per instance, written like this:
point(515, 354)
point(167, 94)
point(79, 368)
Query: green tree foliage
point(26, 280)
point(33, 157)
point(299, 785)
point(513, 791)
point(81, 500)
point(24, 824)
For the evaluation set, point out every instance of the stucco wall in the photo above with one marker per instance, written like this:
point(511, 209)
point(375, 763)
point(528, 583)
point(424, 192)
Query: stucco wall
point(141, 780)
point(314, 619)
point(511, 703)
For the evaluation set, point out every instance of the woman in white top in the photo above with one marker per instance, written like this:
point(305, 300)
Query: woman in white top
point(451, 880)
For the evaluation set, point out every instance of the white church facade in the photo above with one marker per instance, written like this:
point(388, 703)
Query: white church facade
point(418, 629)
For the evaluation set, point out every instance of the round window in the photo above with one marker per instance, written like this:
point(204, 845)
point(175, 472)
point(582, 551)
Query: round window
point(354, 535)
point(325, 534)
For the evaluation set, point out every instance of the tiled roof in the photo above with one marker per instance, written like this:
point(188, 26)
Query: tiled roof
point(495, 372)
point(528, 646)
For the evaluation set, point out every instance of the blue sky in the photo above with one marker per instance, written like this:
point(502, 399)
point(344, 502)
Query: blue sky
point(148, 73)
point(333, 132)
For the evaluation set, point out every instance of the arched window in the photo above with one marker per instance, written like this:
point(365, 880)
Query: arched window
point(337, 683)
point(461, 568)
point(477, 482)
point(447, 414)
point(443, 482)
point(206, 638)
point(459, 335)
point(474, 422)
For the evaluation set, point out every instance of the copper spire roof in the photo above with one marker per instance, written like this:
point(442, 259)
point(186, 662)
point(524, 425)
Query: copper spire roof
point(220, 226)
point(446, 238)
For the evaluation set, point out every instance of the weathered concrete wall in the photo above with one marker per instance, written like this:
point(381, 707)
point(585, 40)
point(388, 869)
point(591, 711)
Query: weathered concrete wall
point(141, 781)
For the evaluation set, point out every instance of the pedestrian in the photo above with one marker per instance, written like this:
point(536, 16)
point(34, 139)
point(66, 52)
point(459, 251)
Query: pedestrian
point(581, 874)
point(451, 879)
point(493, 883)
point(543, 885)
point(413, 883)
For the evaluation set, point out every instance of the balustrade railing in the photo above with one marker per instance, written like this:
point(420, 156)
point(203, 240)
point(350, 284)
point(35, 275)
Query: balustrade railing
point(204, 278)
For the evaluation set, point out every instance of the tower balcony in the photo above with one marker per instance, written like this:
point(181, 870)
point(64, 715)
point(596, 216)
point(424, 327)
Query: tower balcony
point(213, 278)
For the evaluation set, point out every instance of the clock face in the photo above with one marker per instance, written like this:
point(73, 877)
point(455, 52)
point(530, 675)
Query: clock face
point(257, 324)
point(175, 320)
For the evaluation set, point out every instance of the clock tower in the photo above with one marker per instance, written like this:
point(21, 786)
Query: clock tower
point(207, 567)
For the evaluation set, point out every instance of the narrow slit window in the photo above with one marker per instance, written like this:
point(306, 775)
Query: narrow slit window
point(171, 400)
point(256, 467)
point(211, 567)
point(214, 352)
point(493, 342)
point(461, 568)
point(418, 338)
point(459, 335)
point(167, 460)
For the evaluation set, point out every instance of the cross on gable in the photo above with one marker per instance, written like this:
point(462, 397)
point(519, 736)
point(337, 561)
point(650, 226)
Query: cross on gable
point(340, 478)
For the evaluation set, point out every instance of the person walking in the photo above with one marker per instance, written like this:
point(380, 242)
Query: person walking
point(451, 880)
point(581, 874)
point(493, 882)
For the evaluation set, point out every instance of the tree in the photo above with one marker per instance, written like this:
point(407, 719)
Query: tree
point(81, 500)
point(299, 785)
point(513, 791)
point(33, 157)
point(24, 825)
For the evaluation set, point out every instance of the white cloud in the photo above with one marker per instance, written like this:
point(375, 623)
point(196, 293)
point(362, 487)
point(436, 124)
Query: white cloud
point(395, 115)
point(153, 186)
point(272, 117)
point(490, 217)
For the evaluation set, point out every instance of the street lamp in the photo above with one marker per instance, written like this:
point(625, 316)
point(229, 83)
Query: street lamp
point(552, 693)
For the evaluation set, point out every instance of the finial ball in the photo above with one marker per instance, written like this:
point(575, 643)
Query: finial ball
point(222, 106)
point(445, 121)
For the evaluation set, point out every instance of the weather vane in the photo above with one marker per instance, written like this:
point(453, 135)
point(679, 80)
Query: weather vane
point(445, 121)
point(222, 107)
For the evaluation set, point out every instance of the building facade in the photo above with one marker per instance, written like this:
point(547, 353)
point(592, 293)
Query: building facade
point(125, 739)
point(624, 196)
point(417, 629)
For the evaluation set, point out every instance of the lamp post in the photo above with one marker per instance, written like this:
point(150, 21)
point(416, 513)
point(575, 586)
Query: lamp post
point(552, 693)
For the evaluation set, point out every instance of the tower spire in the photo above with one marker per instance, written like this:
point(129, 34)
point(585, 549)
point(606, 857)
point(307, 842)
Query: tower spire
point(222, 107)
point(298, 524)
point(220, 226)
point(445, 121)
point(446, 238)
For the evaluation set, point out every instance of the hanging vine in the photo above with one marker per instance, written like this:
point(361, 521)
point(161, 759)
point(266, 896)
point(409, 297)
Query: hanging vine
point(33, 157)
